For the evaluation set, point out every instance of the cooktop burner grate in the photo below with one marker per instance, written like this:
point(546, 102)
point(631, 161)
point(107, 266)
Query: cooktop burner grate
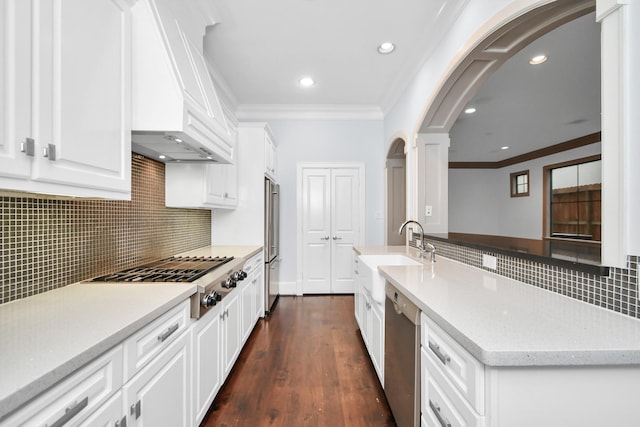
point(173, 269)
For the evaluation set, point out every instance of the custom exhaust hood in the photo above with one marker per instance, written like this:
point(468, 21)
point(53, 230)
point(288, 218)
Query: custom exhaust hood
point(176, 114)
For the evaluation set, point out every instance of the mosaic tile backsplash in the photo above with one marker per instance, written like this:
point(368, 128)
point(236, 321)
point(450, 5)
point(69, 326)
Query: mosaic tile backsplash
point(617, 292)
point(48, 243)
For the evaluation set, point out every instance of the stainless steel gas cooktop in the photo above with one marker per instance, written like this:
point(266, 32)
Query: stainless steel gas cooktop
point(173, 269)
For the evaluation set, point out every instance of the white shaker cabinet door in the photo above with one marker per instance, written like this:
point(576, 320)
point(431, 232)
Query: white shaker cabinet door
point(81, 94)
point(15, 88)
point(160, 394)
point(207, 365)
point(231, 330)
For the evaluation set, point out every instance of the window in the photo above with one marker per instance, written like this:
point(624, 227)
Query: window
point(574, 198)
point(520, 184)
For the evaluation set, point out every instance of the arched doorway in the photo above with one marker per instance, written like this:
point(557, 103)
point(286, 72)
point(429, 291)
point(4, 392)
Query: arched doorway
point(465, 80)
point(396, 201)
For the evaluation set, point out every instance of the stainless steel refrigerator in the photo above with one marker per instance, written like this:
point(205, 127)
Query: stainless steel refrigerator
point(272, 243)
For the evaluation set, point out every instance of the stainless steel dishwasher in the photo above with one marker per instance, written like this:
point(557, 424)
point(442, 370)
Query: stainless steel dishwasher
point(402, 357)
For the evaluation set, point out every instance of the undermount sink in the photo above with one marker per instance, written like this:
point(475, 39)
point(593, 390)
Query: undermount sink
point(373, 280)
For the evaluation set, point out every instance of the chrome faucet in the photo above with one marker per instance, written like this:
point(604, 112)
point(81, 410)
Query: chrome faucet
point(420, 243)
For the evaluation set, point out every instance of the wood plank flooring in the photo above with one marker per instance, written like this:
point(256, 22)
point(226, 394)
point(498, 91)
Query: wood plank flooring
point(305, 365)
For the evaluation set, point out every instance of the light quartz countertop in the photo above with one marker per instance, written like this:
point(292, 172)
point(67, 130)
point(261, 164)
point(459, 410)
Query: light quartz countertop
point(48, 336)
point(503, 322)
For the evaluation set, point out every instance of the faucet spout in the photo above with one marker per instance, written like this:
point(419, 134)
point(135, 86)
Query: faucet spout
point(420, 244)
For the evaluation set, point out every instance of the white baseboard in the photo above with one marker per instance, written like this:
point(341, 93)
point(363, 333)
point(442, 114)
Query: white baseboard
point(288, 288)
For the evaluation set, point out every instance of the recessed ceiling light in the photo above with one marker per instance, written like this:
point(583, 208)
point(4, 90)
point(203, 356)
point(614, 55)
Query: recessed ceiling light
point(386, 47)
point(506, 147)
point(162, 156)
point(470, 110)
point(306, 82)
point(539, 59)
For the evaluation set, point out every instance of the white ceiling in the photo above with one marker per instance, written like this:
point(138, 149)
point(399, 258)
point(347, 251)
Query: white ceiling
point(260, 48)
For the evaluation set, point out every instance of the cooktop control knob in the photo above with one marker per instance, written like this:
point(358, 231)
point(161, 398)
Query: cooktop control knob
point(229, 283)
point(239, 275)
point(210, 299)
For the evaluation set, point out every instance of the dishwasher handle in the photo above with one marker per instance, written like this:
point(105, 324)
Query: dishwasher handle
point(402, 305)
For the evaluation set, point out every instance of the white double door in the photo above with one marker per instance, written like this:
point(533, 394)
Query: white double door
point(332, 204)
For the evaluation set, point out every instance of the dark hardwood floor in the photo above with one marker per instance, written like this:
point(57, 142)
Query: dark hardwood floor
point(305, 365)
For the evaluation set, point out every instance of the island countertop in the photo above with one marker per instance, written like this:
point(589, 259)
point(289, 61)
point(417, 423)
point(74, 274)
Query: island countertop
point(503, 322)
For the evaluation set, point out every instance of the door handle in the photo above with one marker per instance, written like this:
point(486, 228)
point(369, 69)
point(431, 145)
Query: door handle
point(324, 238)
point(337, 238)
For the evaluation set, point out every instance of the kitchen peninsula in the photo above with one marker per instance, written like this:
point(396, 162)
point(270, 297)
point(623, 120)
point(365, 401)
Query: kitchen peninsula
point(506, 349)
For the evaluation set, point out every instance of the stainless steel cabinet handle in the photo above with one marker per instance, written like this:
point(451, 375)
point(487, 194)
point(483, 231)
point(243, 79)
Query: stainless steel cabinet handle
point(122, 422)
point(337, 238)
point(166, 334)
point(70, 412)
point(50, 152)
point(28, 147)
point(324, 238)
point(136, 409)
point(436, 411)
point(439, 354)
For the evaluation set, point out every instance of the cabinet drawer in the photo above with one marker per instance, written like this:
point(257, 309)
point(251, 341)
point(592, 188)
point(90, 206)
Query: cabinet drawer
point(464, 371)
point(69, 402)
point(149, 341)
point(442, 405)
point(252, 264)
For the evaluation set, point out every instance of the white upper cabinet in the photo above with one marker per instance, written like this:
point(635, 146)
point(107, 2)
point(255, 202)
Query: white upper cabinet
point(203, 185)
point(176, 109)
point(65, 101)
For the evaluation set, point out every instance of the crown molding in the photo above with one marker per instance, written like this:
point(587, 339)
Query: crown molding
point(308, 112)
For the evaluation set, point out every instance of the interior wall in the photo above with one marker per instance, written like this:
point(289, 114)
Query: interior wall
point(327, 141)
point(480, 200)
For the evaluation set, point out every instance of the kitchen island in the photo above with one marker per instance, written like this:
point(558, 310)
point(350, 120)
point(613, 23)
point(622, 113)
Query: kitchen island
point(47, 337)
point(497, 352)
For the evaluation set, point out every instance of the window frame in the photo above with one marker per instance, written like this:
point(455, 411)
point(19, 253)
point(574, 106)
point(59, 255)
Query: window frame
point(546, 195)
point(513, 177)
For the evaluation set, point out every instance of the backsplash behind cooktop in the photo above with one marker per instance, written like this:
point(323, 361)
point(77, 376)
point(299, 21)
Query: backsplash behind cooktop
point(48, 243)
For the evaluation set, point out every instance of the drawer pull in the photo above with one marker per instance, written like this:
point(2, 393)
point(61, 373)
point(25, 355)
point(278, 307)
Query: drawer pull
point(166, 334)
point(439, 354)
point(71, 412)
point(436, 411)
point(136, 409)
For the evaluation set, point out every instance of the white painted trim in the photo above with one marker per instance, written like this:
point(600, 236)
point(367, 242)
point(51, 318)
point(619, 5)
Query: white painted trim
point(308, 112)
point(300, 167)
point(615, 192)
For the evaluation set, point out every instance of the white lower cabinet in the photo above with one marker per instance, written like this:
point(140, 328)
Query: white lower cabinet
point(458, 390)
point(165, 374)
point(72, 400)
point(207, 361)
point(231, 331)
point(159, 395)
point(219, 335)
point(370, 318)
point(108, 415)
